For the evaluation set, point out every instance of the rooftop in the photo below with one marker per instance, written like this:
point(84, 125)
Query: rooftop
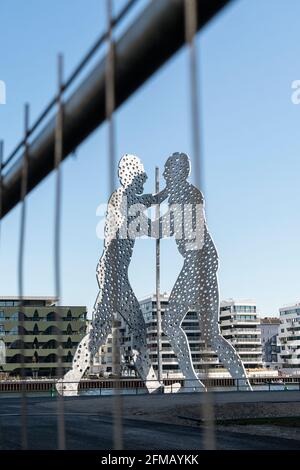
point(14, 300)
point(31, 297)
point(152, 297)
point(290, 306)
point(245, 302)
point(33, 301)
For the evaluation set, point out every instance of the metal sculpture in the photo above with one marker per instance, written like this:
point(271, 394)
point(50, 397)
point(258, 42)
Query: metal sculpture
point(195, 289)
point(115, 292)
point(197, 284)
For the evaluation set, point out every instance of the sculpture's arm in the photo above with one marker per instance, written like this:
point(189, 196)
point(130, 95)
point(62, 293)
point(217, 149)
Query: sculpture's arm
point(149, 200)
point(161, 196)
point(140, 225)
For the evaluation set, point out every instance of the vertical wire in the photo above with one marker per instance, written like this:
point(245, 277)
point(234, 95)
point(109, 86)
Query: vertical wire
point(110, 95)
point(190, 37)
point(24, 184)
point(110, 108)
point(1, 190)
point(1, 180)
point(158, 304)
point(57, 256)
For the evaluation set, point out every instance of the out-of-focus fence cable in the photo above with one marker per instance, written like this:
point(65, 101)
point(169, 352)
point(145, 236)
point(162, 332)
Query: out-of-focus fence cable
point(110, 107)
point(190, 36)
point(57, 247)
point(1, 179)
point(24, 434)
point(157, 282)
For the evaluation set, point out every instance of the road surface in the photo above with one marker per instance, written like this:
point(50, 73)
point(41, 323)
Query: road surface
point(88, 428)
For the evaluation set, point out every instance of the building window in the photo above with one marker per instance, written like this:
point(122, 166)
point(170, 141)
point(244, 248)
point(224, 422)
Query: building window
point(36, 330)
point(13, 331)
point(36, 316)
point(51, 316)
point(69, 329)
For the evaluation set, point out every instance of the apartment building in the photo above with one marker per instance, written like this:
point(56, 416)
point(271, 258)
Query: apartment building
point(37, 334)
point(289, 339)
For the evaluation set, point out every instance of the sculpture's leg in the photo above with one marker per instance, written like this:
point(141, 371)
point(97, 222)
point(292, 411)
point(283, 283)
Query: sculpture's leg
point(209, 318)
point(88, 346)
point(171, 323)
point(131, 312)
point(231, 360)
point(68, 386)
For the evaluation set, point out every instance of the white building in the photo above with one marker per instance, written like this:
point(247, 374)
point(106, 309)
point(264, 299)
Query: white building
point(104, 363)
point(241, 326)
point(203, 358)
point(289, 337)
point(270, 341)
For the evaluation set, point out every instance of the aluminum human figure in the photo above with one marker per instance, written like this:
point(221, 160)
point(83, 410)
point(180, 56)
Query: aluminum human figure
point(115, 292)
point(197, 284)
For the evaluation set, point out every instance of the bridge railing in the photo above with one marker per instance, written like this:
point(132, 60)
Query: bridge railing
point(132, 386)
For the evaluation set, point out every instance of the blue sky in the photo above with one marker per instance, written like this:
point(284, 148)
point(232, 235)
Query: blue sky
point(248, 59)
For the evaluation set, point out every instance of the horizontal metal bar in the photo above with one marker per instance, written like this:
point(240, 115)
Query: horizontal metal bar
point(148, 43)
point(89, 55)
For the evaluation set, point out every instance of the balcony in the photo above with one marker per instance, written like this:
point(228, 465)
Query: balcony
point(245, 341)
point(241, 331)
point(40, 352)
point(43, 338)
point(38, 365)
point(255, 351)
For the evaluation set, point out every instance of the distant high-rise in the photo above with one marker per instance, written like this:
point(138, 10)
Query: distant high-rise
point(104, 362)
point(241, 326)
point(190, 324)
point(270, 341)
point(289, 337)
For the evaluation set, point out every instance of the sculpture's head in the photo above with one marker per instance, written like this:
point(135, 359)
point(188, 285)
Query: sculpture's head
point(177, 169)
point(132, 173)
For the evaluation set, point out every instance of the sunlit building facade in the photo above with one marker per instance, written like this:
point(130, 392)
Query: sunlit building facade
point(289, 338)
point(39, 334)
